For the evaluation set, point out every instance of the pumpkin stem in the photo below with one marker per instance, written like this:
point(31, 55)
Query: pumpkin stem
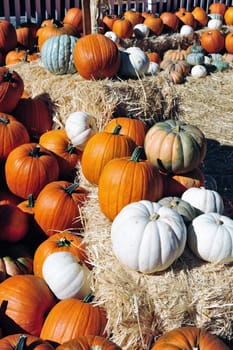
point(154, 216)
point(31, 201)
point(70, 189)
point(136, 154)
point(117, 129)
point(57, 23)
point(8, 76)
point(88, 298)
point(4, 120)
point(36, 152)
point(219, 222)
point(21, 344)
point(63, 242)
point(70, 148)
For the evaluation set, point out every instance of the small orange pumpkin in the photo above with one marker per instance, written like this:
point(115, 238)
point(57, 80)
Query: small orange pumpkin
point(200, 16)
point(228, 16)
point(11, 89)
point(218, 7)
point(123, 28)
point(229, 42)
point(74, 16)
point(135, 17)
point(155, 24)
point(212, 40)
point(170, 21)
point(88, 342)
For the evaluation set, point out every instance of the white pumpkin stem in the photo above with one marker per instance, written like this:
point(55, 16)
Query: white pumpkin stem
point(154, 216)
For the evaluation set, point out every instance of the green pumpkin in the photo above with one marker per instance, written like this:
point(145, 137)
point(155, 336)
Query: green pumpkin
point(196, 48)
point(195, 58)
point(57, 54)
point(220, 65)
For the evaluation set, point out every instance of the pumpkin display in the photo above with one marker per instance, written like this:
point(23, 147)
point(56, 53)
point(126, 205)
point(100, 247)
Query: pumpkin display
point(88, 342)
point(175, 185)
point(80, 127)
point(101, 148)
point(134, 63)
point(228, 16)
point(175, 146)
point(11, 89)
point(123, 28)
point(29, 167)
point(229, 42)
point(132, 127)
point(71, 318)
point(66, 276)
point(14, 223)
point(74, 16)
point(57, 54)
point(53, 29)
point(210, 237)
point(15, 259)
point(185, 209)
point(24, 341)
point(212, 40)
point(153, 236)
point(96, 57)
point(186, 338)
point(58, 205)
point(68, 156)
point(12, 134)
point(126, 180)
point(155, 24)
point(34, 113)
point(25, 301)
point(8, 37)
point(59, 242)
point(200, 16)
point(204, 199)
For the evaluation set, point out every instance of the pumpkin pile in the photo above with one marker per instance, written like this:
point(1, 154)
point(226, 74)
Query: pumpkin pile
point(149, 183)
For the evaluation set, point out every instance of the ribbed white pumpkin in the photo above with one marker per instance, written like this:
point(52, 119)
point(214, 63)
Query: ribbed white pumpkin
point(204, 199)
point(148, 237)
point(141, 31)
point(66, 276)
point(210, 237)
point(80, 126)
point(186, 30)
point(134, 62)
point(57, 54)
point(215, 23)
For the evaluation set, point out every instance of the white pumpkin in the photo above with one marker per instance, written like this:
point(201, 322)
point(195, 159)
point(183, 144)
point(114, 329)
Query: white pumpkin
point(186, 30)
point(141, 30)
point(134, 62)
point(215, 23)
point(210, 237)
point(148, 237)
point(113, 36)
point(198, 71)
point(153, 68)
point(66, 276)
point(80, 127)
point(203, 199)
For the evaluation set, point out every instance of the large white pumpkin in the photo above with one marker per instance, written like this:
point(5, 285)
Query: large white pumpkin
point(134, 63)
point(210, 237)
point(148, 237)
point(204, 199)
point(66, 276)
point(80, 126)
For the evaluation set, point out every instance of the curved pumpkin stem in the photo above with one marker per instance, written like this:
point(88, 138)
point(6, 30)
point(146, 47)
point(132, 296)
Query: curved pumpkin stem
point(31, 201)
point(8, 76)
point(137, 154)
point(71, 149)
point(57, 23)
point(70, 189)
point(117, 129)
point(21, 344)
point(88, 298)
point(36, 152)
point(4, 120)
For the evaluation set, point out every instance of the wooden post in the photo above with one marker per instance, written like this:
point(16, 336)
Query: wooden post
point(86, 17)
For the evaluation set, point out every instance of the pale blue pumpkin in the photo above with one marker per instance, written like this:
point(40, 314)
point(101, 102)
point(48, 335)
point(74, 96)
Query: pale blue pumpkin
point(57, 54)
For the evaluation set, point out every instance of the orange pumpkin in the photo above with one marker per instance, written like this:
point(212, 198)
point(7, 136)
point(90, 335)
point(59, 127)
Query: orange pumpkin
point(58, 205)
point(229, 42)
point(108, 21)
point(155, 24)
point(126, 180)
point(186, 17)
point(131, 127)
point(228, 16)
point(212, 40)
point(24, 341)
point(8, 38)
point(123, 28)
point(71, 318)
point(60, 241)
point(154, 56)
point(170, 21)
point(13, 222)
point(200, 16)
point(218, 7)
point(34, 113)
point(101, 148)
point(189, 338)
point(11, 89)
point(12, 134)
point(25, 301)
point(17, 55)
point(25, 37)
point(74, 16)
point(29, 167)
point(88, 342)
point(96, 57)
point(135, 17)
point(67, 155)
